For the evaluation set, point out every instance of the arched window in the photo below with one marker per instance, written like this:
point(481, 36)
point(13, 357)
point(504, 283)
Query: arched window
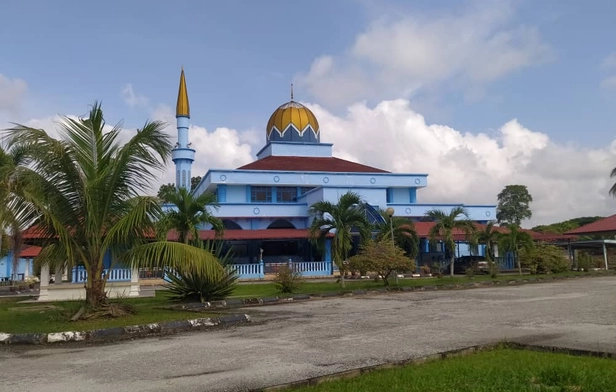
point(281, 224)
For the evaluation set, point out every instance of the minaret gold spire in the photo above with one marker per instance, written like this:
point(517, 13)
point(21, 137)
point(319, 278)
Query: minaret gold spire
point(183, 108)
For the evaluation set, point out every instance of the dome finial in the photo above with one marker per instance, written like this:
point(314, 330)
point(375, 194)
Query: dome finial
point(291, 91)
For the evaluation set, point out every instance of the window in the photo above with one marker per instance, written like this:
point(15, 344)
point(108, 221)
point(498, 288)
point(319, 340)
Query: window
point(390, 195)
point(286, 194)
point(305, 189)
point(261, 194)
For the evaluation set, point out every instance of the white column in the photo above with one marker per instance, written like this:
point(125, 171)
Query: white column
point(605, 255)
point(44, 292)
point(134, 282)
point(495, 249)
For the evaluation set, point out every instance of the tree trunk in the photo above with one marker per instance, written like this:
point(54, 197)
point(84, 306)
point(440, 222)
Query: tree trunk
point(451, 266)
point(517, 259)
point(95, 290)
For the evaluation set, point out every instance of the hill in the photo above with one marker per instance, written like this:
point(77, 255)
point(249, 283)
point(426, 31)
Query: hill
point(567, 225)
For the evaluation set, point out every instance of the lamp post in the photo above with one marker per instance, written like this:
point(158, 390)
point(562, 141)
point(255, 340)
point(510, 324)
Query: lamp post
point(390, 213)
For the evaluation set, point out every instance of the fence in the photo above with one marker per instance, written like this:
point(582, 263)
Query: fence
point(80, 274)
point(306, 268)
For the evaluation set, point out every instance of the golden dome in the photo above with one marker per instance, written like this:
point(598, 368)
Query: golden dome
point(293, 122)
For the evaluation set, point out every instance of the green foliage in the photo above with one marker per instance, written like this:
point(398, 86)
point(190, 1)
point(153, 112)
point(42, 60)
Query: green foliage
point(85, 190)
point(287, 280)
point(515, 240)
point(562, 227)
point(190, 214)
point(513, 205)
point(337, 220)
point(382, 257)
point(544, 259)
point(446, 224)
point(584, 261)
point(194, 285)
point(169, 188)
point(404, 233)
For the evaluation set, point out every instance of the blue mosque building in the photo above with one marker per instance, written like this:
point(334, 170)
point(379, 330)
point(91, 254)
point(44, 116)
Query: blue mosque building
point(265, 204)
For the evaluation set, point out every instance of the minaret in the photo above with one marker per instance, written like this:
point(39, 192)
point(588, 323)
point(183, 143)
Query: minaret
point(182, 155)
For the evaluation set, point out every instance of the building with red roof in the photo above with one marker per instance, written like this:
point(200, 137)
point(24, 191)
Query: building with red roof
point(265, 204)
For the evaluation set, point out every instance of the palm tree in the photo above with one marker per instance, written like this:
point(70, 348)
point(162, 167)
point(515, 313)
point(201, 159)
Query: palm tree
point(337, 220)
point(404, 233)
point(191, 212)
point(613, 188)
point(444, 227)
point(515, 240)
point(15, 215)
point(87, 186)
point(489, 237)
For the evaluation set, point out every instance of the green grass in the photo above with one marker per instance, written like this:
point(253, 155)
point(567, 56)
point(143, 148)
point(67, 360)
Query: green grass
point(248, 290)
point(21, 318)
point(503, 370)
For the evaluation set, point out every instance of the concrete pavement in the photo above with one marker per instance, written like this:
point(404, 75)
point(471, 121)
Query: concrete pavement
point(297, 341)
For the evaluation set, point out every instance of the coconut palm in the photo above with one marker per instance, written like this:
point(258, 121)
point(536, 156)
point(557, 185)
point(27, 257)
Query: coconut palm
point(189, 214)
point(404, 233)
point(489, 237)
point(515, 240)
point(444, 227)
point(336, 221)
point(87, 188)
point(15, 215)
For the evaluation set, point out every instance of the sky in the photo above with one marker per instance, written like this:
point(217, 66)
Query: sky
point(479, 94)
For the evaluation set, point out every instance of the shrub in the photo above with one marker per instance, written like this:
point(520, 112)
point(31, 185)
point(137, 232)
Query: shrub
point(383, 258)
point(287, 280)
point(544, 259)
point(189, 286)
point(584, 261)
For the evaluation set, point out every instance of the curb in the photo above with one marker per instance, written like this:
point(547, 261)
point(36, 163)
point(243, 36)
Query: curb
point(122, 333)
point(258, 301)
point(352, 373)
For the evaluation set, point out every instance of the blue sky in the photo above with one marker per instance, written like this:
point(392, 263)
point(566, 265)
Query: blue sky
point(240, 57)
point(510, 91)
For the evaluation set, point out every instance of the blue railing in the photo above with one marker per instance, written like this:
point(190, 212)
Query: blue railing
point(305, 268)
point(80, 274)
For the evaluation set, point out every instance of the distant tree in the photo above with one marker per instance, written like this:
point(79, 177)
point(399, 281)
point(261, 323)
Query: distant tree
point(169, 188)
point(513, 205)
point(562, 227)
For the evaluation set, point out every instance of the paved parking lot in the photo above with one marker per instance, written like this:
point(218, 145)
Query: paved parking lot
point(296, 341)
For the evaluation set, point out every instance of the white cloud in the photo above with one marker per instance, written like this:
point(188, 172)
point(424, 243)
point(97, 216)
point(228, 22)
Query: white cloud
point(397, 57)
point(223, 148)
point(565, 181)
point(133, 99)
point(12, 94)
point(609, 82)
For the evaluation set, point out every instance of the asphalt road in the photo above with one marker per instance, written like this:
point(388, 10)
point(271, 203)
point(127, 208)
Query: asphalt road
point(297, 341)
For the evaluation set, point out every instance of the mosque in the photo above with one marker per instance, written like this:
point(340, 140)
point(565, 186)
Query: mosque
point(265, 204)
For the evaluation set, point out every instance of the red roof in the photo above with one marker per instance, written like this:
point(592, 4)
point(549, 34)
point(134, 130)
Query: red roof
point(605, 225)
point(30, 252)
point(307, 164)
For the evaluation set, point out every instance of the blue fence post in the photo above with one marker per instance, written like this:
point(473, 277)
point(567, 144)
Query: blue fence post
point(261, 269)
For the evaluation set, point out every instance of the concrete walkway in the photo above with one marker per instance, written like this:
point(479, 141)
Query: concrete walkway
point(292, 342)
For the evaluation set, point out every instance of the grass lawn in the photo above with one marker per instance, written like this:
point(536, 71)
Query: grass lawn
point(503, 370)
point(54, 316)
point(248, 290)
